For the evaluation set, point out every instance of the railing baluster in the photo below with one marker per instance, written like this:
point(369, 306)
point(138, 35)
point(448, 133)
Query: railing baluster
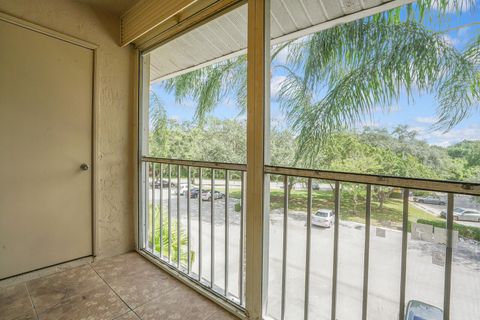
point(145, 218)
point(335, 250)
point(242, 206)
point(308, 247)
point(403, 272)
point(149, 170)
point(284, 245)
point(179, 251)
point(200, 172)
point(153, 208)
point(227, 236)
point(161, 211)
point(448, 257)
point(189, 267)
point(212, 228)
point(366, 257)
point(169, 214)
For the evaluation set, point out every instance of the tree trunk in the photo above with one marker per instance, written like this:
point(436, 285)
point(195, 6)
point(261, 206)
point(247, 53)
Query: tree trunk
point(355, 200)
point(290, 187)
point(380, 205)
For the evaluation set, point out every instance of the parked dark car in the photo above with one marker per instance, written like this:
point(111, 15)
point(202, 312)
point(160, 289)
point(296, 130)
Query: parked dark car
point(194, 193)
point(164, 184)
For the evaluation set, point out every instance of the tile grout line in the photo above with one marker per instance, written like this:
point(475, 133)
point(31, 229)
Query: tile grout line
point(108, 285)
point(65, 298)
point(31, 301)
point(132, 311)
point(150, 300)
point(128, 306)
point(145, 302)
point(138, 316)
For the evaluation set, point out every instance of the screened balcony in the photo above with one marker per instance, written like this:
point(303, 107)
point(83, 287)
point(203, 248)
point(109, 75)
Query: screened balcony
point(260, 159)
point(347, 230)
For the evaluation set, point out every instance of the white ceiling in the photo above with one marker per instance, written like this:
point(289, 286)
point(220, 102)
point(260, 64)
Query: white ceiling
point(226, 36)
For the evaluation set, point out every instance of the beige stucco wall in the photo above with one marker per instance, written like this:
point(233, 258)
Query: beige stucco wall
point(115, 114)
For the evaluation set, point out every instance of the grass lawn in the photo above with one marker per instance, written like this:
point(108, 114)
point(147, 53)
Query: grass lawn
point(391, 213)
point(389, 216)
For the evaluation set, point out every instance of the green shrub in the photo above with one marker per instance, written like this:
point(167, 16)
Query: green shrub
point(396, 195)
point(421, 193)
point(238, 207)
point(463, 231)
point(174, 243)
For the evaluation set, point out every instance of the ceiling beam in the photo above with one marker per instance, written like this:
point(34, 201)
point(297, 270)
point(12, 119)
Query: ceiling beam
point(146, 15)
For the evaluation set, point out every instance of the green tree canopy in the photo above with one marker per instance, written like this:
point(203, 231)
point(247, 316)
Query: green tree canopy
point(336, 79)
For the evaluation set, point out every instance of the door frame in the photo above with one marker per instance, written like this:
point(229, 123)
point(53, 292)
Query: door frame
point(94, 125)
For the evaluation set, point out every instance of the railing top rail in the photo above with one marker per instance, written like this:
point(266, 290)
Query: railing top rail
point(389, 181)
point(195, 163)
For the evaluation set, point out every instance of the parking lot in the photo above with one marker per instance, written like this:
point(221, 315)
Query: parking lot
point(425, 265)
point(460, 201)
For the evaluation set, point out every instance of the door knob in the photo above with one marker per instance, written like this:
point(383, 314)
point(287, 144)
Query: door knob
point(84, 166)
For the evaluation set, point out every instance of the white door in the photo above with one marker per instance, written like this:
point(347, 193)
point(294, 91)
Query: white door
point(46, 92)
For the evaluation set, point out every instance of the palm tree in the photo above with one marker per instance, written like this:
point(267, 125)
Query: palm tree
point(338, 77)
point(175, 251)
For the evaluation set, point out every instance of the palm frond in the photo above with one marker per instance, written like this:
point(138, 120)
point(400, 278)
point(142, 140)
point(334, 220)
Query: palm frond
point(208, 86)
point(172, 240)
point(368, 65)
point(459, 94)
point(338, 77)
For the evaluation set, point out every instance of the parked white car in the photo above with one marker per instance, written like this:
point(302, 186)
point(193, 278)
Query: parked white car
point(463, 214)
point(207, 195)
point(323, 218)
point(183, 189)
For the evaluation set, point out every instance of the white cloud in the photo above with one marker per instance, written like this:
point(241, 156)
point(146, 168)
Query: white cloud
point(461, 37)
point(471, 132)
point(463, 32)
point(418, 130)
point(276, 84)
point(229, 103)
point(454, 5)
point(390, 109)
point(372, 124)
point(450, 40)
point(188, 103)
point(369, 122)
point(279, 121)
point(426, 120)
point(281, 57)
point(444, 144)
point(241, 116)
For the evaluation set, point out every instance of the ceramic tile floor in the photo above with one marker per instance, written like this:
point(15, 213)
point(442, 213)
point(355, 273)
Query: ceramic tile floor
point(125, 287)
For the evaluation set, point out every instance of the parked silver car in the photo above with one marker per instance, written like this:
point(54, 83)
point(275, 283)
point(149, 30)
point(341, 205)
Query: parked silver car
point(323, 218)
point(463, 214)
point(207, 195)
point(417, 310)
point(430, 200)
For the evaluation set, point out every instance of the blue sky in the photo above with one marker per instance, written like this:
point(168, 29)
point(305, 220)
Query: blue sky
point(418, 114)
